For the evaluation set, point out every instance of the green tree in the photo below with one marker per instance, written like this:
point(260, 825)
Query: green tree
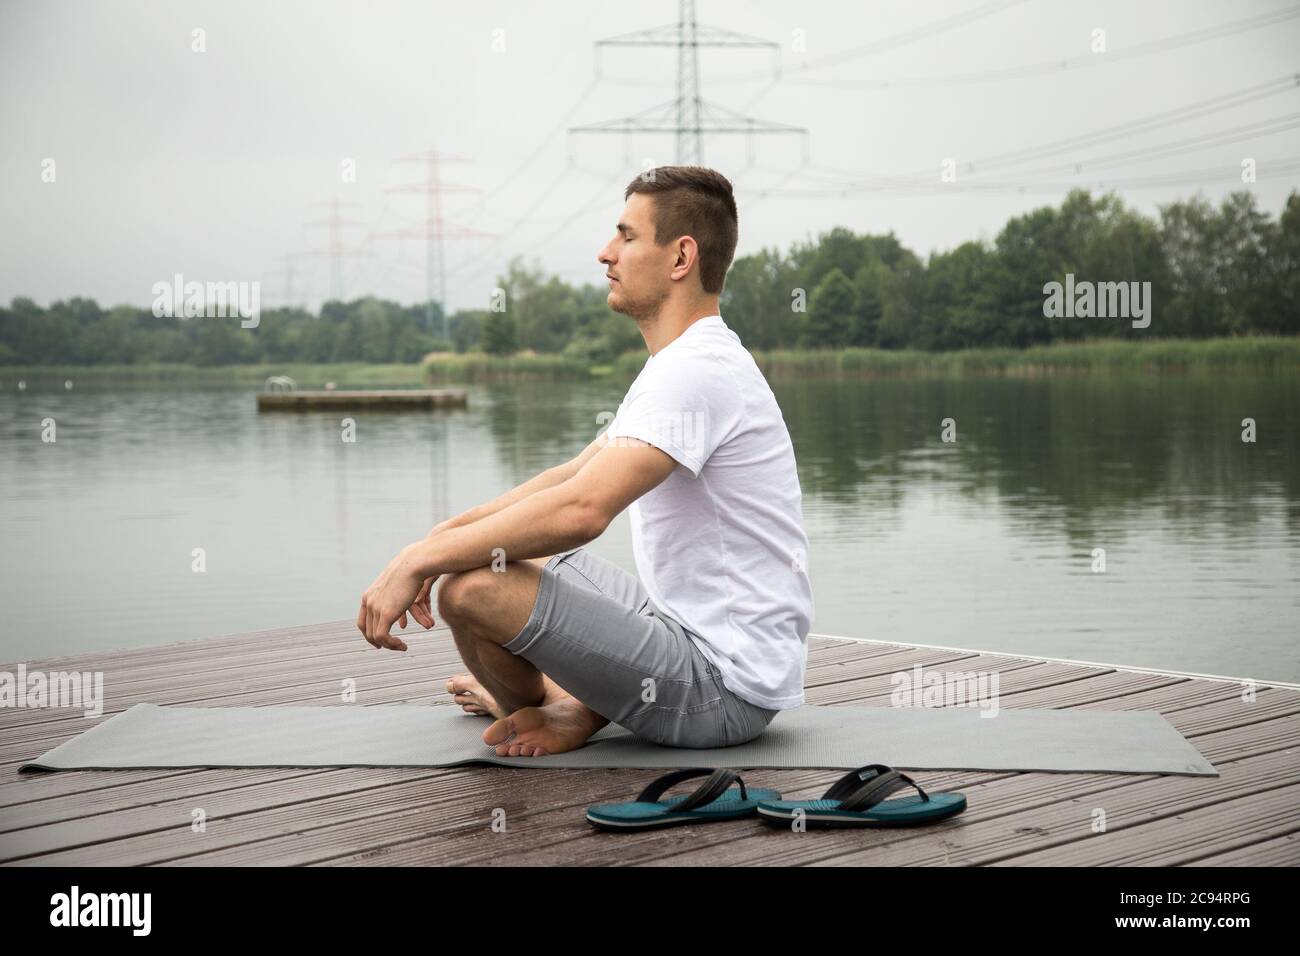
point(831, 311)
point(902, 290)
point(870, 309)
point(1216, 258)
point(958, 311)
point(466, 329)
point(1275, 303)
point(500, 334)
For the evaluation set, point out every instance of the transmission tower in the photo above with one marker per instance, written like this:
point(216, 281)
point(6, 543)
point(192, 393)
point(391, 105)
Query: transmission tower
point(289, 271)
point(689, 116)
point(434, 230)
point(336, 250)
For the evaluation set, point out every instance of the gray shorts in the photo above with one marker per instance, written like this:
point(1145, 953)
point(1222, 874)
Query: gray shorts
point(594, 631)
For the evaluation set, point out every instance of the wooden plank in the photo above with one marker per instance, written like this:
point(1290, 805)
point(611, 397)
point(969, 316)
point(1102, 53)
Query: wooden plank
point(162, 831)
point(877, 689)
point(1281, 850)
point(368, 670)
point(1169, 841)
point(144, 788)
point(196, 650)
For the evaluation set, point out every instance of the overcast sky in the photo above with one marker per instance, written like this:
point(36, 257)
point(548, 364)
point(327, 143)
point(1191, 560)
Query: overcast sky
point(215, 164)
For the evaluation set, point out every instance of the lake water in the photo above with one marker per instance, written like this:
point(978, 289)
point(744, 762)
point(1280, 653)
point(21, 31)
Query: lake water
point(986, 542)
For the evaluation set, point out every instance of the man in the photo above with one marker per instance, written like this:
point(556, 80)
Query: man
point(709, 642)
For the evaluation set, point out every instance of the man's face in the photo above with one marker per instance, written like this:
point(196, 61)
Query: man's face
point(640, 269)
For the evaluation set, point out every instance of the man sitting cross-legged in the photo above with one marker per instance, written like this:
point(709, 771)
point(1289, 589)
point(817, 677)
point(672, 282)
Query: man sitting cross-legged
point(707, 641)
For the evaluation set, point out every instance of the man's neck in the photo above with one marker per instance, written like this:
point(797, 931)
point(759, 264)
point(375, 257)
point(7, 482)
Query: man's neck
point(661, 329)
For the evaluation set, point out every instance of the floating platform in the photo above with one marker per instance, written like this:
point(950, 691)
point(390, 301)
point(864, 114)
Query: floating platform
point(393, 399)
point(442, 816)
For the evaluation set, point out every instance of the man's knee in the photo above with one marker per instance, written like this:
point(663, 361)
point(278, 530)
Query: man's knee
point(494, 603)
point(461, 592)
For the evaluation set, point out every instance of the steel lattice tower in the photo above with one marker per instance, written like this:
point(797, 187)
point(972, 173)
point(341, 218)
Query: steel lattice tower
point(688, 116)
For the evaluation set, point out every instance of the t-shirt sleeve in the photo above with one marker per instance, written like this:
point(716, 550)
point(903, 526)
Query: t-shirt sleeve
point(685, 408)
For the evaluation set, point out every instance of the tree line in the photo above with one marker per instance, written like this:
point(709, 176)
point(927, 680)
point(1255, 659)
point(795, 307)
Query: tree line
point(1214, 270)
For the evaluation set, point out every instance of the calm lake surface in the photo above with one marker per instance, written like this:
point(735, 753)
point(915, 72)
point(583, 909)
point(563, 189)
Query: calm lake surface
point(983, 543)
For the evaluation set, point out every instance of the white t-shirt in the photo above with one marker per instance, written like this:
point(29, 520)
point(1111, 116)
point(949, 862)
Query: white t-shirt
point(719, 544)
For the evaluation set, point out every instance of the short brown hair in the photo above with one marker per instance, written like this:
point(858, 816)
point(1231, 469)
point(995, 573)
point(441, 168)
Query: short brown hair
point(694, 201)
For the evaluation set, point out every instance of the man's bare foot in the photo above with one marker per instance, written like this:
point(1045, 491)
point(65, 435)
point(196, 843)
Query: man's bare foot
point(474, 698)
point(564, 724)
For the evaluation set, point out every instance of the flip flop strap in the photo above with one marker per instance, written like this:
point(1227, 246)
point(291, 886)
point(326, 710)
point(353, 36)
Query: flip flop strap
point(719, 782)
point(852, 781)
point(875, 789)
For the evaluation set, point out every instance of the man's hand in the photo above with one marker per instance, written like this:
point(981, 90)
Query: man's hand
point(399, 588)
point(421, 610)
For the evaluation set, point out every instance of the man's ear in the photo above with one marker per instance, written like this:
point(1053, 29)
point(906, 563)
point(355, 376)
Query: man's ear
point(687, 251)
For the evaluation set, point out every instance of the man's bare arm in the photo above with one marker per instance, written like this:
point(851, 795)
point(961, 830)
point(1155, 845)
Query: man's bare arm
point(566, 515)
point(550, 478)
point(543, 480)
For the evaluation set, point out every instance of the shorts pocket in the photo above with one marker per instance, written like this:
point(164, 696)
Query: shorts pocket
point(647, 724)
point(749, 721)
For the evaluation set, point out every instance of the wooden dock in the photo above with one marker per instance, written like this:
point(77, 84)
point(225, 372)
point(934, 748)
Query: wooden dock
point(421, 816)
point(298, 400)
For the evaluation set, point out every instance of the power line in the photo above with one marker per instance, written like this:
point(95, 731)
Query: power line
point(597, 197)
point(1061, 65)
point(1146, 124)
point(1159, 151)
point(1206, 176)
point(689, 117)
point(1266, 127)
point(923, 32)
point(518, 223)
point(1126, 130)
point(541, 148)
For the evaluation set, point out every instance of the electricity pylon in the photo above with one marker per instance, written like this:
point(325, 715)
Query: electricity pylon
point(336, 250)
point(688, 116)
point(433, 230)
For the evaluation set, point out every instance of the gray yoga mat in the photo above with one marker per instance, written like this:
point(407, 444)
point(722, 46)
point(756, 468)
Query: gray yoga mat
point(408, 735)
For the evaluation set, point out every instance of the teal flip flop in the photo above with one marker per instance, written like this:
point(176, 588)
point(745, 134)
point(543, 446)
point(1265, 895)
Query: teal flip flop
point(858, 800)
point(714, 799)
